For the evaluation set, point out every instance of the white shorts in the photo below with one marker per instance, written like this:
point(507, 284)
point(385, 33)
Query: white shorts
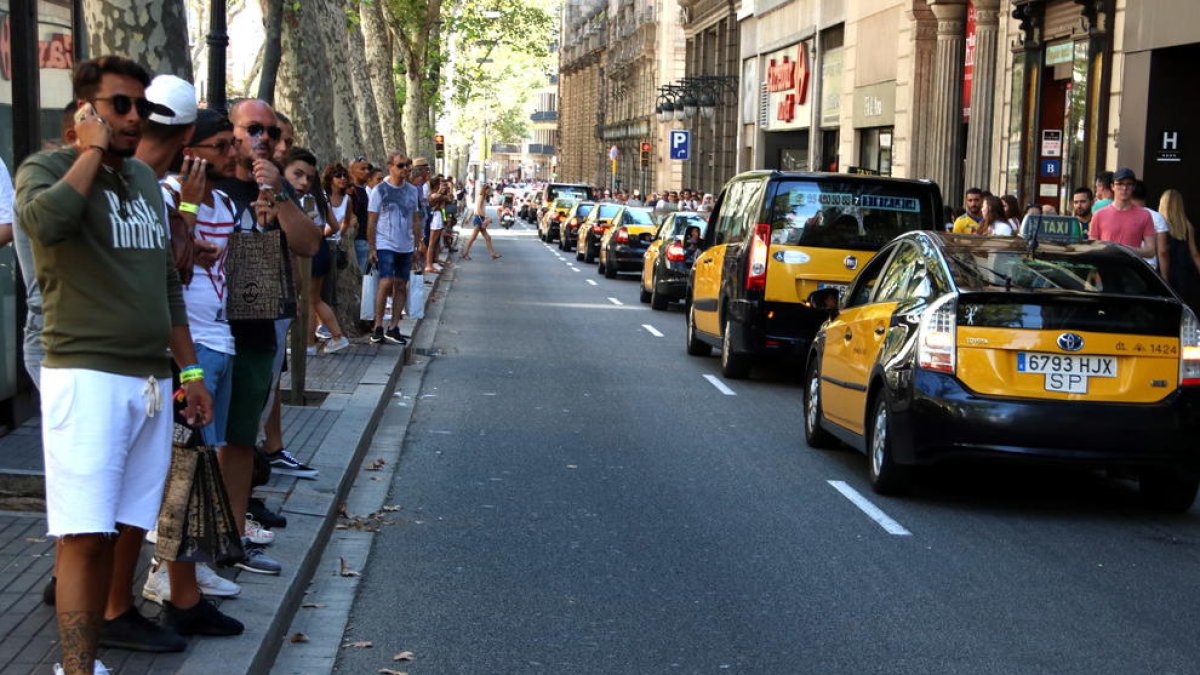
point(106, 456)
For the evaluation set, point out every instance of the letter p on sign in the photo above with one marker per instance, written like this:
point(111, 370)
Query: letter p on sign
point(680, 142)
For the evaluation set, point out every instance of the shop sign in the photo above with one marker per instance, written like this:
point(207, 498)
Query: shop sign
point(1051, 143)
point(968, 63)
point(1169, 148)
point(787, 83)
point(875, 105)
point(54, 52)
point(1063, 52)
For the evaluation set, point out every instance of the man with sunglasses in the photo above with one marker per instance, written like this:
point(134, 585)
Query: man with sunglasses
point(262, 201)
point(395, 235)
point(1123, 221)
point(94, 216)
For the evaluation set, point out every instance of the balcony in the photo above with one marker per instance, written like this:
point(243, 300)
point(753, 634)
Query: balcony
point(541, 149)
point(544, 116)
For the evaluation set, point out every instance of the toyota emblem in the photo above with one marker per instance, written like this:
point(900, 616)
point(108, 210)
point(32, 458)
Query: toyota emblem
point(1070, 342)
point(850, 262)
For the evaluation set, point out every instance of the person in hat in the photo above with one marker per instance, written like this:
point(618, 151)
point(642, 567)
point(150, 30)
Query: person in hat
point(94, 216)
point(1123, 221)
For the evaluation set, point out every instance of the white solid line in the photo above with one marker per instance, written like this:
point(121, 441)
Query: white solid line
point(716, 382)
point(573, 268)
point(652, 330)
point(615, 301)
point(873, 512)
point(592, 282)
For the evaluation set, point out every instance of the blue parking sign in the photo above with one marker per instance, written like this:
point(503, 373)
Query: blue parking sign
point(1051, 168)
point(680, 144)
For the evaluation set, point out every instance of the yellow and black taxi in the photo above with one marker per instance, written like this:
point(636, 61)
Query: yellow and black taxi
point(668, 260)
point(569, 228)
point(958, 347)
point(587, 240)
point(553, 191)
point(776, 237)
point(624, 243)
point(549, 225)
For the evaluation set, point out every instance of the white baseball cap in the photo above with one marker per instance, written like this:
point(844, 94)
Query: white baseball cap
point(174, 95)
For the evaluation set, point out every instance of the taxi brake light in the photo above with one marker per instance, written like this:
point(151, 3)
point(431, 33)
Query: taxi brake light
point(675, 252)
point(1189, 348)
point(936, 340)
point(760, 247)
point(621, 236)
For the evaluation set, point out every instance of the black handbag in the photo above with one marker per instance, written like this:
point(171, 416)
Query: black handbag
point(195, 522)
point(258, 276)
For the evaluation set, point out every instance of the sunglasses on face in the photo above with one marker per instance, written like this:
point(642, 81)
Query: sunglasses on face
point(402, 165)
point(220, 146)
point(360, 158)
point(341, 174)
point(122, 104)
point(256, 129)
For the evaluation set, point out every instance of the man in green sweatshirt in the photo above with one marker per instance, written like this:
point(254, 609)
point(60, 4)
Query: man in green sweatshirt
point(113, 308)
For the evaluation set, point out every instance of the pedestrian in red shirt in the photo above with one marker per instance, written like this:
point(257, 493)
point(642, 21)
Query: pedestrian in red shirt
point(1125, 222)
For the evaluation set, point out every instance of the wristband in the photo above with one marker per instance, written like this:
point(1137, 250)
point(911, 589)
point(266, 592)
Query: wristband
point(188, 207)
point(191, 374)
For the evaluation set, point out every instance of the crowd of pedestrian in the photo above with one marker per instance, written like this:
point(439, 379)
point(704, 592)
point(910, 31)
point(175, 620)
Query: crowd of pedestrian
point(131, 237)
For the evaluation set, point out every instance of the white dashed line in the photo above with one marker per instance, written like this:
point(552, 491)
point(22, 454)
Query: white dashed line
point(873, 512)
point(573, 268)
point(716, 382)
point(616, 302)
point(652, 330)
point(592, 282)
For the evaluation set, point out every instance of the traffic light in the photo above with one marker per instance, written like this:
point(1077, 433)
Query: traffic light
point(645, 154)
point(439, 146)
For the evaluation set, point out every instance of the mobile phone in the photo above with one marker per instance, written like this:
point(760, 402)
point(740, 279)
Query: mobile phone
point(82, 113)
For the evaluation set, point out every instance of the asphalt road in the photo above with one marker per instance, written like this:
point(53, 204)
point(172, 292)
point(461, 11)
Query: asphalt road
point(577, 497)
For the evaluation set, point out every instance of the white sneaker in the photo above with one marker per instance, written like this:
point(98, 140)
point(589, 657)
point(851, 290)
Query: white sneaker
point(257, 534)
point(157, 588)
point(337, 345)
point(97, 669)
point(322, 333)
point(152, 536)
point(158, 584)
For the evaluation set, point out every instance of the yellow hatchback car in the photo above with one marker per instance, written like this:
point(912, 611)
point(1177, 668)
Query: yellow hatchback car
point(960, 347)
point(774, 239)
point(625, 242)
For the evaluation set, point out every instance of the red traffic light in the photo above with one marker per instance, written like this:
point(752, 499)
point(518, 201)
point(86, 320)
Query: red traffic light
point(439, 138)
point(646, 146)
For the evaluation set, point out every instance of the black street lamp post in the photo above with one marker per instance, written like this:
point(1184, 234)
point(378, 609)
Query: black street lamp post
point(218, 41)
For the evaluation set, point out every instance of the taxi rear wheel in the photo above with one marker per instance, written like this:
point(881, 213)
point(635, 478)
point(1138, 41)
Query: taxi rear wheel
point(578, 255)
point(813, 433)
point(887, 477)
point(610, 270)
point(1167, 490)
point(644, 294)
point(734, 366)
point(695, 346)
point(588, 256)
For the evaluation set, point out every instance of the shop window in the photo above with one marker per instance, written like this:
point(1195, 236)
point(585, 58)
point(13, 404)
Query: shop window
point(875, 150)
point(829, 151)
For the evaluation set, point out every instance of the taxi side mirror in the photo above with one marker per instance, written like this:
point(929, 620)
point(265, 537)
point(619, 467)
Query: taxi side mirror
point(826, 299)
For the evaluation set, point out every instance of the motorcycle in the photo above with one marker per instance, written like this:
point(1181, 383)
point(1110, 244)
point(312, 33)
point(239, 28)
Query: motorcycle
point(507, 220)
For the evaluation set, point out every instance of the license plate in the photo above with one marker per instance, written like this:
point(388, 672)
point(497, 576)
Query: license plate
point(841, 288)
point(1067, 373)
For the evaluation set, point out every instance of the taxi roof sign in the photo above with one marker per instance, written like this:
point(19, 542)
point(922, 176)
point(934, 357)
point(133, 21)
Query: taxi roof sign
point(1053, 229)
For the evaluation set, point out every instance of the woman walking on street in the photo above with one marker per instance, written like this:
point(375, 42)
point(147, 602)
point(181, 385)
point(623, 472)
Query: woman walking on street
point(1181, 265)
point(480, 221)
point(300, 171)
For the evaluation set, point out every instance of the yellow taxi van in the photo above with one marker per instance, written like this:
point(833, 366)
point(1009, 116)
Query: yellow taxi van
point(776, 238)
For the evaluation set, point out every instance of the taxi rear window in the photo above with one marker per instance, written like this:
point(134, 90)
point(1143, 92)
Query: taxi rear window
point(583, 210)
point(682, 223)
point(608, 210)
point(639, 217)
point(564, 203)
point(1101, 272)
point(575, 192)
point(846, 215)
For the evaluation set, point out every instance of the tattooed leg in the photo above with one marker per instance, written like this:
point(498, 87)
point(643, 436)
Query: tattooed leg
point(84, 570)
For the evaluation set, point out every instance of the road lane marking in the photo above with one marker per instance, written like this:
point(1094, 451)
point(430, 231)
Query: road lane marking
point(616, 302)
point(572, 267)
point(873, 512)
point(652, 330)
point(716, 382)
point(592, 282)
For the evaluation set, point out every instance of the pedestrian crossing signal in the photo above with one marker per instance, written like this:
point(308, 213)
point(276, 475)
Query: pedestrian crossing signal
point(439, 146)
point(645, 155)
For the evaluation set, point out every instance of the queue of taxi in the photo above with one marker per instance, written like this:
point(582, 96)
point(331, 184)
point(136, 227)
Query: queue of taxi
point(920, 347)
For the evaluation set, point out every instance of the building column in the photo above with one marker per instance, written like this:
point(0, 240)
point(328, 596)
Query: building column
point(943, 146)
point(983, 94)
point(924, 51)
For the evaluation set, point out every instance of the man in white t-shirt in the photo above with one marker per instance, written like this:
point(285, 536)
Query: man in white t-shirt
point(395, 235)
point(1161, 228)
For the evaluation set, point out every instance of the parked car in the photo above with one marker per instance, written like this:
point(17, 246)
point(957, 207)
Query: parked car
point(587, 240)
point(668, 261)
point(548, 226)
point(775, 238)
point(552, 191)
point(954, 346)
point(624, 243)
point(569, 228)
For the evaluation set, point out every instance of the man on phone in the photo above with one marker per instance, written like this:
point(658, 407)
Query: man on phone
point(95, 220)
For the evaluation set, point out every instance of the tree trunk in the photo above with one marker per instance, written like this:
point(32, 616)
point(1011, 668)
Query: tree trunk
point(272, 49)
point(417, 42)
point(348, 140)
point(303, 83)
point(152, 33)
point(377, 47)
point(364, 96)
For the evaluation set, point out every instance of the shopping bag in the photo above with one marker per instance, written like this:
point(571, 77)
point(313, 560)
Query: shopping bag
point(195, 522)
point(416, 296)
point(370, 288)
point(258, 276)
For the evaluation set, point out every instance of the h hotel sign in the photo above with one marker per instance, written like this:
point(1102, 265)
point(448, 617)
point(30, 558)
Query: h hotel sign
point(789, 77)
point(1169, 149)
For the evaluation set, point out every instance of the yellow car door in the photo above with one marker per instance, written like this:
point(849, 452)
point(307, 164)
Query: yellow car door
point(652, 253)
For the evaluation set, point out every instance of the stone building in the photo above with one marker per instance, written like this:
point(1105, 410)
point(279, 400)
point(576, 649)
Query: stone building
point(581, 91)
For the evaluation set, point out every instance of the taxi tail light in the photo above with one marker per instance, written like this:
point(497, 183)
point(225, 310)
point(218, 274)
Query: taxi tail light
point(1189, 348)
point(675, 252)
point(936, 341)
point(621, 236)
point(760, 248)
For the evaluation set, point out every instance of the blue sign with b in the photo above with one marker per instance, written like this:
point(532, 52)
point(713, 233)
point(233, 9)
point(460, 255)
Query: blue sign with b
point(680, 144)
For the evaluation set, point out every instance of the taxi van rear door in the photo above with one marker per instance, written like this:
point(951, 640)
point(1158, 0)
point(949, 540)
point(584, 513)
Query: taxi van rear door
point(1066, 347)
point(823, 231)
point(721, 266)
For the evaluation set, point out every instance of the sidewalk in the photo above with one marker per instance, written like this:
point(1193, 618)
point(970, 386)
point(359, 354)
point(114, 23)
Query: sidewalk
point(357, 385)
